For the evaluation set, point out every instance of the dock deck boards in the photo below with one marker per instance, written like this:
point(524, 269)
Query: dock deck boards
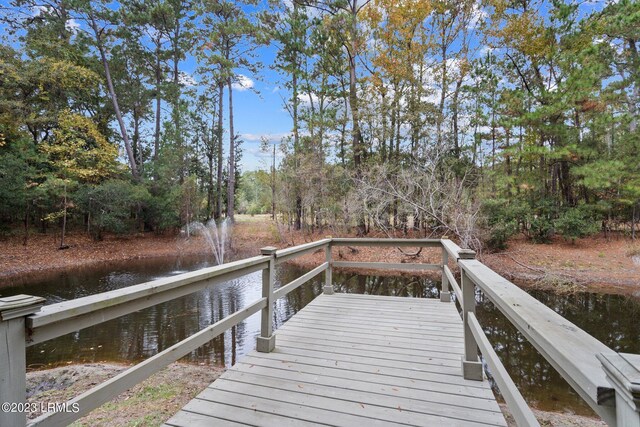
point(352, 360)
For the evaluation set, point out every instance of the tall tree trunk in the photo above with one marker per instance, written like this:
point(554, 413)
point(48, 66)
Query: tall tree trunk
point(296, 144)
point(64, 218)
point(443, 83)
point(158, 82)
point(455, 111)
point(353, 95)
point(210, 154)
point(231, 187)
point(114, 99)
point(635, 96)
point(218, 212)
point(273, 185)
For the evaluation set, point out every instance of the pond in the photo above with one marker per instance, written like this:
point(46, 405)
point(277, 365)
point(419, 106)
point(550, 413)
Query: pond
point(613, 319)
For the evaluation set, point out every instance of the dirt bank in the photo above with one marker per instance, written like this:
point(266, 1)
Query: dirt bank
point(150, 403)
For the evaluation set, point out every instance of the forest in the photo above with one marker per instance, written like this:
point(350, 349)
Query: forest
point(476, 119)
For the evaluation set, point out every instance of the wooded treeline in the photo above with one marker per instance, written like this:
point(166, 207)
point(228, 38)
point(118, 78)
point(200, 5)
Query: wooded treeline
point(476, 119)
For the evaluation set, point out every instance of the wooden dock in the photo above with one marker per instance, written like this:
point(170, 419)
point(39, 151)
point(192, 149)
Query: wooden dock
point(353, 360)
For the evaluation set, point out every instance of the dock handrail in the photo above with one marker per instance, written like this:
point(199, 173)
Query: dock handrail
point(607, 381)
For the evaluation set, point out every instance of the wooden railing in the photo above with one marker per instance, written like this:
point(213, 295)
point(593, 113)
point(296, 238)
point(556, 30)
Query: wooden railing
point(609, 382)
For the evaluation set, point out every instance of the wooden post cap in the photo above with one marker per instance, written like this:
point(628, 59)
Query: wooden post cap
point(466, 254)
point(623, 372)
point(19, 306)
point(268, 250)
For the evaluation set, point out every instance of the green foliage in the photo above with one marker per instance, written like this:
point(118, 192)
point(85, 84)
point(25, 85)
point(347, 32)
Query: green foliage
point(541, 229)
point(113, 206)
point(576, 223)
point(504, 219)
point(254, 196)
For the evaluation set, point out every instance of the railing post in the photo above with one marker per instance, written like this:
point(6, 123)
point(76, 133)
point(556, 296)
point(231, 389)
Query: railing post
point(13, 365)
point(328, 273)
point(445, 294)
point(623, 372)
point(471, 366)
point(266, 342)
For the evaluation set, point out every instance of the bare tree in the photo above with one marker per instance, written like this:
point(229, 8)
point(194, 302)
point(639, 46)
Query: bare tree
point(423, 189)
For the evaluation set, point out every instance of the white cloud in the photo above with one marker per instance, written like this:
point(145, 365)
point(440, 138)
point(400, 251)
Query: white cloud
point(477, 16)
point(186, 79)
point(37, 10)
point(257, 137)
point(484, 50)
point(72, 25)
point(275, 89)
point(306, 98)
point(242, 83)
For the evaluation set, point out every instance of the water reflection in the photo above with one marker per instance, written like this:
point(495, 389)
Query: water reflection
point(610, 318)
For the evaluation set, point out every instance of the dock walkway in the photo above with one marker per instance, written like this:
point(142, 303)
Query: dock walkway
point(353, 360)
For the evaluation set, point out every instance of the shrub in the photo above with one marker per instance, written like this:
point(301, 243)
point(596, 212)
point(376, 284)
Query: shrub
point(503, 218)
point(541, 229)
point(575, 223)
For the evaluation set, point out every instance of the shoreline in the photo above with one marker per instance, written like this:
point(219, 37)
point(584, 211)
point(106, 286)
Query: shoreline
point(591, 265)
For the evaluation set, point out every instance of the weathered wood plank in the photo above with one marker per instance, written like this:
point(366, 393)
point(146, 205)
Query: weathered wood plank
point(385, 242)
point(390, 306)
point(369, 315)
point(386, 266)
point(256, 416)
point(311, 318)
point(284, 255)
point(451, 248)
point(394, 336)
point(260, 375)
point(374, 379)
point(295, 411)
point(333, 366)
point(382, 344)
point(190, 419)
point(344, 400)
point(340, 361)
point(346, 370)
point(366, 352)
point(453, 283)
point(380, 361)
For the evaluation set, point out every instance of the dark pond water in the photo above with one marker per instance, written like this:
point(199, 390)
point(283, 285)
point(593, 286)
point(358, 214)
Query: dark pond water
point(613, 319)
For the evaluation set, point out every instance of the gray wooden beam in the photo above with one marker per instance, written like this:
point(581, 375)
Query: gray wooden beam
point(418, 243)
point(13, 387)
point(104, 392)
point(294, 284)
point(328, 275)
point(266, 342)
point(283, 255)
point(569, 349)
point(518, 407)
point(471, 366)
point(623, 373)
point(386, 266)
point(69, 316)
